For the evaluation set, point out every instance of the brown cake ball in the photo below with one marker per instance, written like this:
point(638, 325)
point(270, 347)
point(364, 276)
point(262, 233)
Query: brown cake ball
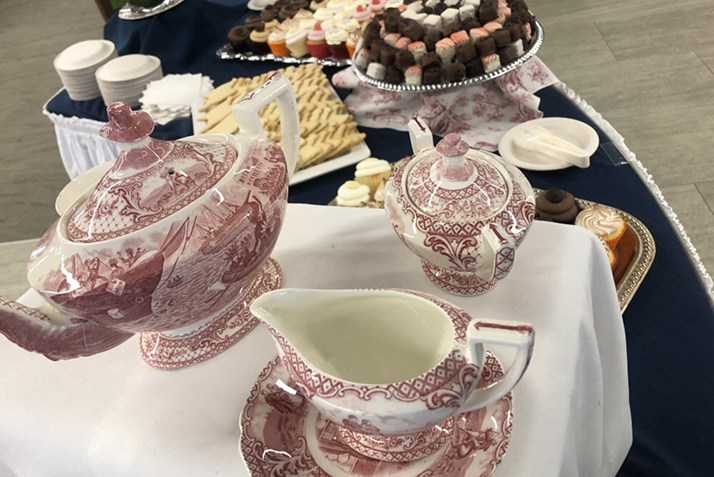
point(557, 205)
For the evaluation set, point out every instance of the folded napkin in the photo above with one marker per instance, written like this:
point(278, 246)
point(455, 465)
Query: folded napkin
point(171, 97)
point(481, 113)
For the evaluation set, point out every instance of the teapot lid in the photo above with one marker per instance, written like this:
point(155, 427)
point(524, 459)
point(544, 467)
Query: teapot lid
point(150, 180)
point(455, 183)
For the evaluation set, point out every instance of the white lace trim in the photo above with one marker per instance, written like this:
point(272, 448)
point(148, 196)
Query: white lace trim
point(649, 182)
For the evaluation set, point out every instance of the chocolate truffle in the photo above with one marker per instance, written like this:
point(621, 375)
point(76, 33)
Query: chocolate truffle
point(391, 24)
point(470, 23)
point(394, 75)
point(507, 55)
point(474, 68)
point(404, 59)
point(454, 72)
point(487, 13)
point(432, 76)
point(557, 205)
point(501, 37)
point(387, 55)
point(485, 46)
point(465, 51)
point(430, 40)
point(238, 37)
point(430, 60)
point(514, 29)
point(413, 31)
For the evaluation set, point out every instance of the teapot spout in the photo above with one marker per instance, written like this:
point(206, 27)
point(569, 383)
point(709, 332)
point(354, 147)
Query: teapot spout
point(35, 331)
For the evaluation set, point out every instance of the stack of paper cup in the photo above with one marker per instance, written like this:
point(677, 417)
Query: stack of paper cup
point(77, 64)
point(125, 78)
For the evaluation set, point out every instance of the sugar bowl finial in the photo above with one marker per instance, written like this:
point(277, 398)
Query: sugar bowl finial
point(126, 125)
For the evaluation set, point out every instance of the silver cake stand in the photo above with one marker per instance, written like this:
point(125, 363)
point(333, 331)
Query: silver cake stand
point(133, 12)
point(227, 52)
point(431, 88)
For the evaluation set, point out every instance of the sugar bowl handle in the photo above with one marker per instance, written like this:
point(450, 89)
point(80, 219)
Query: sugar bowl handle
point(499, 332)
point(276, 87)
point(498, 252)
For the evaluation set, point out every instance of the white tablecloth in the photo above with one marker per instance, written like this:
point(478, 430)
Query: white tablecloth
point(113, 415)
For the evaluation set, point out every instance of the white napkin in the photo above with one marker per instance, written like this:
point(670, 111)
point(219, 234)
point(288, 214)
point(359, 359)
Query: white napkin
point(481, 113)
point(171, 97)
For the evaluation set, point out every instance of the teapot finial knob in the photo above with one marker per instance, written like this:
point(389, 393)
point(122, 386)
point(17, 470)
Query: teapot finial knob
point(452, 146)
point(126, 125)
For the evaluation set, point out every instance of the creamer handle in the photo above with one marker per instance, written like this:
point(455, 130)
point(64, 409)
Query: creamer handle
point(498, 252)
point(278, 88)
point(499, 332)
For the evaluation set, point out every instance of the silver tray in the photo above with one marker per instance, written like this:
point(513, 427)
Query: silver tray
point(641, 261)
point(227, 52)
point(431, 88)
point(132, 12)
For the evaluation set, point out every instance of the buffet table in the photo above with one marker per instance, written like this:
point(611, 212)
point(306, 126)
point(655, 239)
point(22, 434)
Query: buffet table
point(112, 414)
point(670, 312)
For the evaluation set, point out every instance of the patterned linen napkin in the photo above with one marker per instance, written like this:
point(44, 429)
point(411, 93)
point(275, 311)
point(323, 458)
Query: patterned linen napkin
point(481, 113)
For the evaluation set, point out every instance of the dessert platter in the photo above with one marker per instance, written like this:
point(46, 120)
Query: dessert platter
point(140, 9)
point(298, 31)
point(628, 243)
point(329, 138)
point(446, 44)
point(441, 405)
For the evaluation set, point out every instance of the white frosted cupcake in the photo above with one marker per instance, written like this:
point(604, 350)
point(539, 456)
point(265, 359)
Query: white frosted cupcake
point(352, 194)
point(296, 41)
point(372, 172)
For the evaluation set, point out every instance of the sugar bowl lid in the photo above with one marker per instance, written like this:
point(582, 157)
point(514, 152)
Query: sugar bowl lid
point(150, 180)
point(455, 183)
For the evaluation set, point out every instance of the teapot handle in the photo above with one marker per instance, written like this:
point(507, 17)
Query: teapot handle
point(276, 87)
point(499, 332)
point(498, 252)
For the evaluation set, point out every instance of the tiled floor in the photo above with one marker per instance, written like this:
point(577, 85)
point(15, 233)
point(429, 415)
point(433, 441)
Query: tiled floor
point(637, 62)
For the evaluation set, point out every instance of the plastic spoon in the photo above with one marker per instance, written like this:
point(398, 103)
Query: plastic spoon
point(540, 140)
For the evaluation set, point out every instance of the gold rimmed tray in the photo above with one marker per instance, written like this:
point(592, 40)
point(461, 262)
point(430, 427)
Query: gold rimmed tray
point(635, 252)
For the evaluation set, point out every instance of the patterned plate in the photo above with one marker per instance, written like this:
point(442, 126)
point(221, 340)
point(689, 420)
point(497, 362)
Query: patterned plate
point(282, 434)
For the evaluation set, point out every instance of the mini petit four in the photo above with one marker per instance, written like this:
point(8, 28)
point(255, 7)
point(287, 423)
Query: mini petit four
point(446, 50)
point(418, 49)
point(377, 71)
point(450, 21)
point(413, 75)
point(604, 222)
point(404, 59)
point(455, 72)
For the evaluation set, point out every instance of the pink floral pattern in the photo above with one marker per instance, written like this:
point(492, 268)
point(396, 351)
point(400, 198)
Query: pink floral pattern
point(481, 113)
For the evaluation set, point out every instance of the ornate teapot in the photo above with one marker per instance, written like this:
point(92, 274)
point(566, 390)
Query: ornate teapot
point(389, 367)
point(173, 242)
point(462, 211)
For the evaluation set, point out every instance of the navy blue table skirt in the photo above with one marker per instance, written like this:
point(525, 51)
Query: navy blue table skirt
point(669, 323)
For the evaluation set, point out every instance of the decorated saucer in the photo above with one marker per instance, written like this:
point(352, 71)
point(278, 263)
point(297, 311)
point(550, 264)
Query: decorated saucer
point(282, 434)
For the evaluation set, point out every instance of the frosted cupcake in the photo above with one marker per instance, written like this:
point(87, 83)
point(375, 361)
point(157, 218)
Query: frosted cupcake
point(352, 194)
point(351, 43)
point(316, 42)
point(362, 14)
point(258, 41)
point(371, 172)
point(323, 15)
point(336, 42)
point(276, 42)
point(296, 41)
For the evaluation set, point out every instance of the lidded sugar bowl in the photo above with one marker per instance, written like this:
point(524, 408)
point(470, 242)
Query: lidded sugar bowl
point(173, 242)
point(462, 211)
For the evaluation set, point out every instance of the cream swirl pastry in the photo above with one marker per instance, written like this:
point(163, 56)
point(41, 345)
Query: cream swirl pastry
point(604, 222)
point(348, 25)
point(352, 194)
point(323, 14)
point(373, 172)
